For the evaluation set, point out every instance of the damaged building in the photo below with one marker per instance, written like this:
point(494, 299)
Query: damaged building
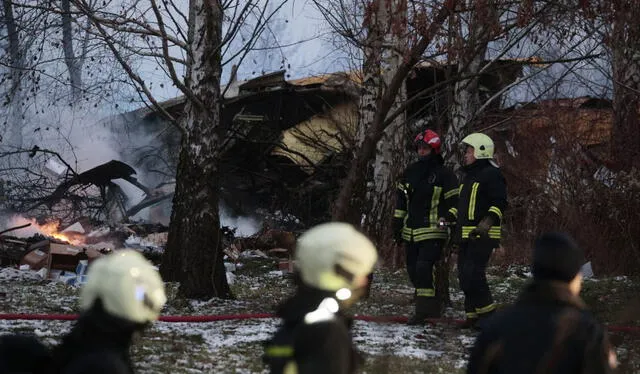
point(289, 140)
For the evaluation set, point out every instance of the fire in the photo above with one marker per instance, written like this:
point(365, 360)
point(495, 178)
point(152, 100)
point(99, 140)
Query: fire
point(52, 229)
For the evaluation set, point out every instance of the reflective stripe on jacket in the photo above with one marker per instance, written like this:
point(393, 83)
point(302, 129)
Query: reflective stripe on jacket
point(426, 191)
point(482, 193)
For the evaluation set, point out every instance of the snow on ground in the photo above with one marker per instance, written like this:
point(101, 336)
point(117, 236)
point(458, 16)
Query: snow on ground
point(218, 339)
point(236, 346)
point(11, 274)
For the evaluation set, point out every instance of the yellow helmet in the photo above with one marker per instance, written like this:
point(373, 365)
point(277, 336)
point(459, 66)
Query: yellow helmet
point(128, 286)
point(482, 145)
point(331, 256)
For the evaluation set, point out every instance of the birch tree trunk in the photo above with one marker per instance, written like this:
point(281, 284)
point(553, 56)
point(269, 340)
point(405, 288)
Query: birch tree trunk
point(194, 254)
point(465, 102)
point(390, 33)
point(14, 122)
point(348, 206)
point(625, 140)
point(471, 57)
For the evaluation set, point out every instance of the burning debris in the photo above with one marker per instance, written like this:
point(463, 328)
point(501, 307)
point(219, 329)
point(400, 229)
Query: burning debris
point(49, 251)
point(60, 253)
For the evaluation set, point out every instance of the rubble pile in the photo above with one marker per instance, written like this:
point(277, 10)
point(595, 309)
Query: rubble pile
point(64, 254)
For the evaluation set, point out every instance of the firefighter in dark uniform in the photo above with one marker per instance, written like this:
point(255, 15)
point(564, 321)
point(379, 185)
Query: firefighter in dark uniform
point(426, 191)
point(481, 204)
point(333, 261)
point(548, 330)
point(123, 295)
point(23, 354)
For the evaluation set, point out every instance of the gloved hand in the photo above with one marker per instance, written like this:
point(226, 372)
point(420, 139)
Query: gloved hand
point(450, 218)
point(482, 230)
point(442, 223)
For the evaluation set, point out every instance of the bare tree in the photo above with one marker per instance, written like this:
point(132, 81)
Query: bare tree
point(463, 31)
point(44, 93)
point(352, 192)
point(472, 43)
point(625, 46)
point(384, 48)
point(193, 40)
point(74, 64)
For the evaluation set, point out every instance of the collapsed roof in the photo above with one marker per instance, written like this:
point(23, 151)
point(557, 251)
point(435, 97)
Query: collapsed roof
point(289, 134)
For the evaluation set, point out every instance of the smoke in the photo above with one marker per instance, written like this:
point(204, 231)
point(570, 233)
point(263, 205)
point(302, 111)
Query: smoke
point(87, 140)
point(245, 226)
point(16, 220)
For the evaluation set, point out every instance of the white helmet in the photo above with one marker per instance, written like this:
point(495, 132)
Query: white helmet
point(128, 285)
point(332, 256)
point(482, 145)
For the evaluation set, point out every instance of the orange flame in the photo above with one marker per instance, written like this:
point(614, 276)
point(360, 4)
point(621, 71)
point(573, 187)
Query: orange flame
point(51, 229)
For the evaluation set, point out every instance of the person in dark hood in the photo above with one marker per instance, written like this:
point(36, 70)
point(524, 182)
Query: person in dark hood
point(123, 295)
point(481, 204)
point(549, 329)
point(427, 191)
point(23, 354)
point(333, 261)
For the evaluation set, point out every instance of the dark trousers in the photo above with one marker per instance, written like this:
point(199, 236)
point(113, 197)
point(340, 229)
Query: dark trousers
point(473, 257)
point(421, 258)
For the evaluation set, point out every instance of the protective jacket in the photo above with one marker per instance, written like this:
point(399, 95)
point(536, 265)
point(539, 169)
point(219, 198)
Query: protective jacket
point(98, 343)
point(311, 340)
point(548, 330)
point(426, 191)
point(482, 193)
point(23, 354)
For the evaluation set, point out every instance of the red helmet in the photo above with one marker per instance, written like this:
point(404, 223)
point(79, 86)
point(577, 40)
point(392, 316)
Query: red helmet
point(429, 138)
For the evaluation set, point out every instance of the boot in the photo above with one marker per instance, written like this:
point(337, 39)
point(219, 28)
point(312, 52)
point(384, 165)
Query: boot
point(470, 322)
point(416, 319)
point(432, 308)
point(420, 314)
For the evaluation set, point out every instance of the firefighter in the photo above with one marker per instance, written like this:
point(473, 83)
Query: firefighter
point(333, 261)
point(123, 295)
point(426, 191)
point(548, 330)
point(481, 205)
point(23, 354)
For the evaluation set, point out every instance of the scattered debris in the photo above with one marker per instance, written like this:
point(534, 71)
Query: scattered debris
point(54, 249)
point(51, 256)
point(267, 243)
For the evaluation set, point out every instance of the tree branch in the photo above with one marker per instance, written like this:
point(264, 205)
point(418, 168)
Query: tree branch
point(135, 77)
point(167, 59)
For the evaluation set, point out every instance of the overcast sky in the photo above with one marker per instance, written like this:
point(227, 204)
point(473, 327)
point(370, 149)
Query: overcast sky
point(303, 32)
